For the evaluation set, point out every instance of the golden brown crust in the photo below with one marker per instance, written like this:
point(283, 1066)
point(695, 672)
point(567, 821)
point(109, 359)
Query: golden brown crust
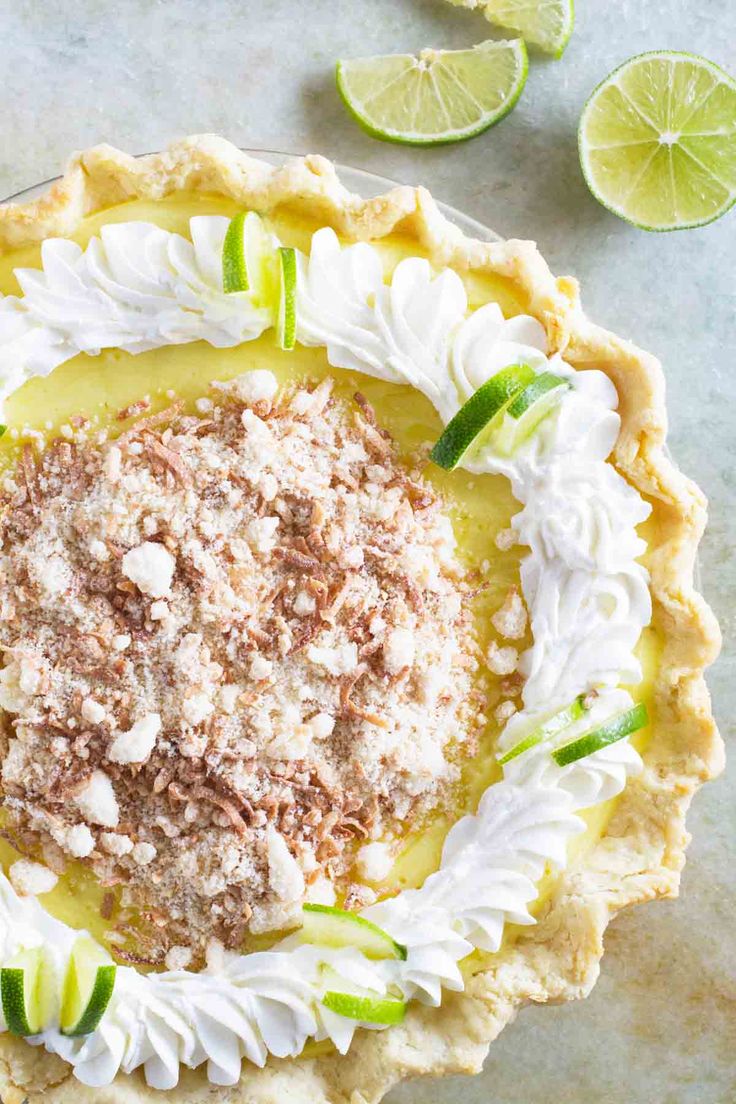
point(642, 851)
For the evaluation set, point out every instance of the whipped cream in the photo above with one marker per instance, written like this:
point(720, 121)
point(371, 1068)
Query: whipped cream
point(137, 287)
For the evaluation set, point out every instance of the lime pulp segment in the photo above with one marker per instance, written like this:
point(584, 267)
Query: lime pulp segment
point(547, 24)
point(334, 927)
point(623, 724)
point(556, 723)
point(657, 141)
point(88, 988)
point(436, 97)
point(367, 1009)
point(478, 412)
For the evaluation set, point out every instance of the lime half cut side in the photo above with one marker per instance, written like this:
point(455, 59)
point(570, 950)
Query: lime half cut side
point(436, 97)
point(88, 987)
point(657, 141)
point(334, 927)
point(547, 24)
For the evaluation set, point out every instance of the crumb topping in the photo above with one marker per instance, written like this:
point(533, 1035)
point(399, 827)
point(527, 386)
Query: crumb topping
point(236, 651)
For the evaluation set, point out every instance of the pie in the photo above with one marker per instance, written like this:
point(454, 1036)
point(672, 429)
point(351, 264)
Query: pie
point(352, 665)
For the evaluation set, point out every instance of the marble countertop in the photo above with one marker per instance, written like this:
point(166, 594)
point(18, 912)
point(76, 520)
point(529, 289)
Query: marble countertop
point(661, 1023)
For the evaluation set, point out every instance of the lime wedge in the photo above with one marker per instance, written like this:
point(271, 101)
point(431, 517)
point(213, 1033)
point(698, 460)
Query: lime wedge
point(368, 1007)
point(527, 410)
point(334, 927)
point(657, 141)
point(286, 318)
point(247, 257)
point(27, 990)
point(439, 96)
point(547, 24)
point(478, 412)
point(623, 724)
point(556, 723)
point(88, 987)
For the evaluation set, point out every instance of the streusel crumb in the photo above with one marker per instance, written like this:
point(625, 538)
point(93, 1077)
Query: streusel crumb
point(237, 648)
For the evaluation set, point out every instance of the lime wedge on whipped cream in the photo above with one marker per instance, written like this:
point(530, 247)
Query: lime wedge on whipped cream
point(435, 97)
point(248, 257)
point(477, 414)
point(549, 728)
point(28, 991)
point(286, 316)
point(88, 987)
point(657, 141)
point(334, 927)
point(618, 727)
point(525, 412)
point(365, 1006)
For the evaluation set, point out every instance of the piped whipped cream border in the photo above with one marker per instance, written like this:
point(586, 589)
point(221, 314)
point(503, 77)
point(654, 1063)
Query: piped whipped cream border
point(139, 287)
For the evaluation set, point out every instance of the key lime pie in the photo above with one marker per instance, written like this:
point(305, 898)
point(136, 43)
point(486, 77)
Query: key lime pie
point(351, 663)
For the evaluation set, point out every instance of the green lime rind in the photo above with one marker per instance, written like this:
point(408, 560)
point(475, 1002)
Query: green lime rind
point(286, 318)
point(24, 991)
point(620, 726)
point(528, 410)
point(679, 155)
point(234, 266)
point(334, 927)
point(88, 988)
point(476, 415)
point(547, 24)
point(440, 97)
point(549, 728)
point(367, 1009)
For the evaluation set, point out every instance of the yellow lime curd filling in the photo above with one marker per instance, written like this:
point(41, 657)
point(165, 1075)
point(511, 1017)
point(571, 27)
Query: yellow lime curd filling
point(480, 506)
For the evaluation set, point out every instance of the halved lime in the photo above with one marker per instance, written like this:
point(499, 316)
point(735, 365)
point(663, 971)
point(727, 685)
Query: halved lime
point(27, 990)
point(547, 24)
point(436, 97)
point(334, 927)
point(367, 1007)
point(623, 724)
point(657, 141)
point(556, 723)
point(478, 412)
point(528, 410)
point(88, 987)
point(286, 317)
point(248, 257)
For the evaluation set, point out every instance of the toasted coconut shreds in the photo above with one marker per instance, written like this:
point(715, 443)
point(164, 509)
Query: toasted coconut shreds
point(218, 631)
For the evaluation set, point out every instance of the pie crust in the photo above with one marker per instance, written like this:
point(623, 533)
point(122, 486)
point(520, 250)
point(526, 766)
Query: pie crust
point(641, 853)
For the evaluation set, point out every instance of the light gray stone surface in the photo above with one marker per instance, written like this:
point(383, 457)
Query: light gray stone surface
point(661, 1023)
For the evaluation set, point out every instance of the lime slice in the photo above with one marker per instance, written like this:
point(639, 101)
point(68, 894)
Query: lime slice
point(478, 412)
point(549, 728)
point(623, 724)
point(247, 257)
point(547, 24)
point(367, 1007)
point(440, 96)
point(657, 141)
point(334, 927)
point(286, 318)
point(27, 990)
point(88, 987)
point(527, 410)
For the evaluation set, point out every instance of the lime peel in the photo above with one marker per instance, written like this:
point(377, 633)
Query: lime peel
point(286, 317)
point(617, 728)
point(437, 97)
point(334, 927)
